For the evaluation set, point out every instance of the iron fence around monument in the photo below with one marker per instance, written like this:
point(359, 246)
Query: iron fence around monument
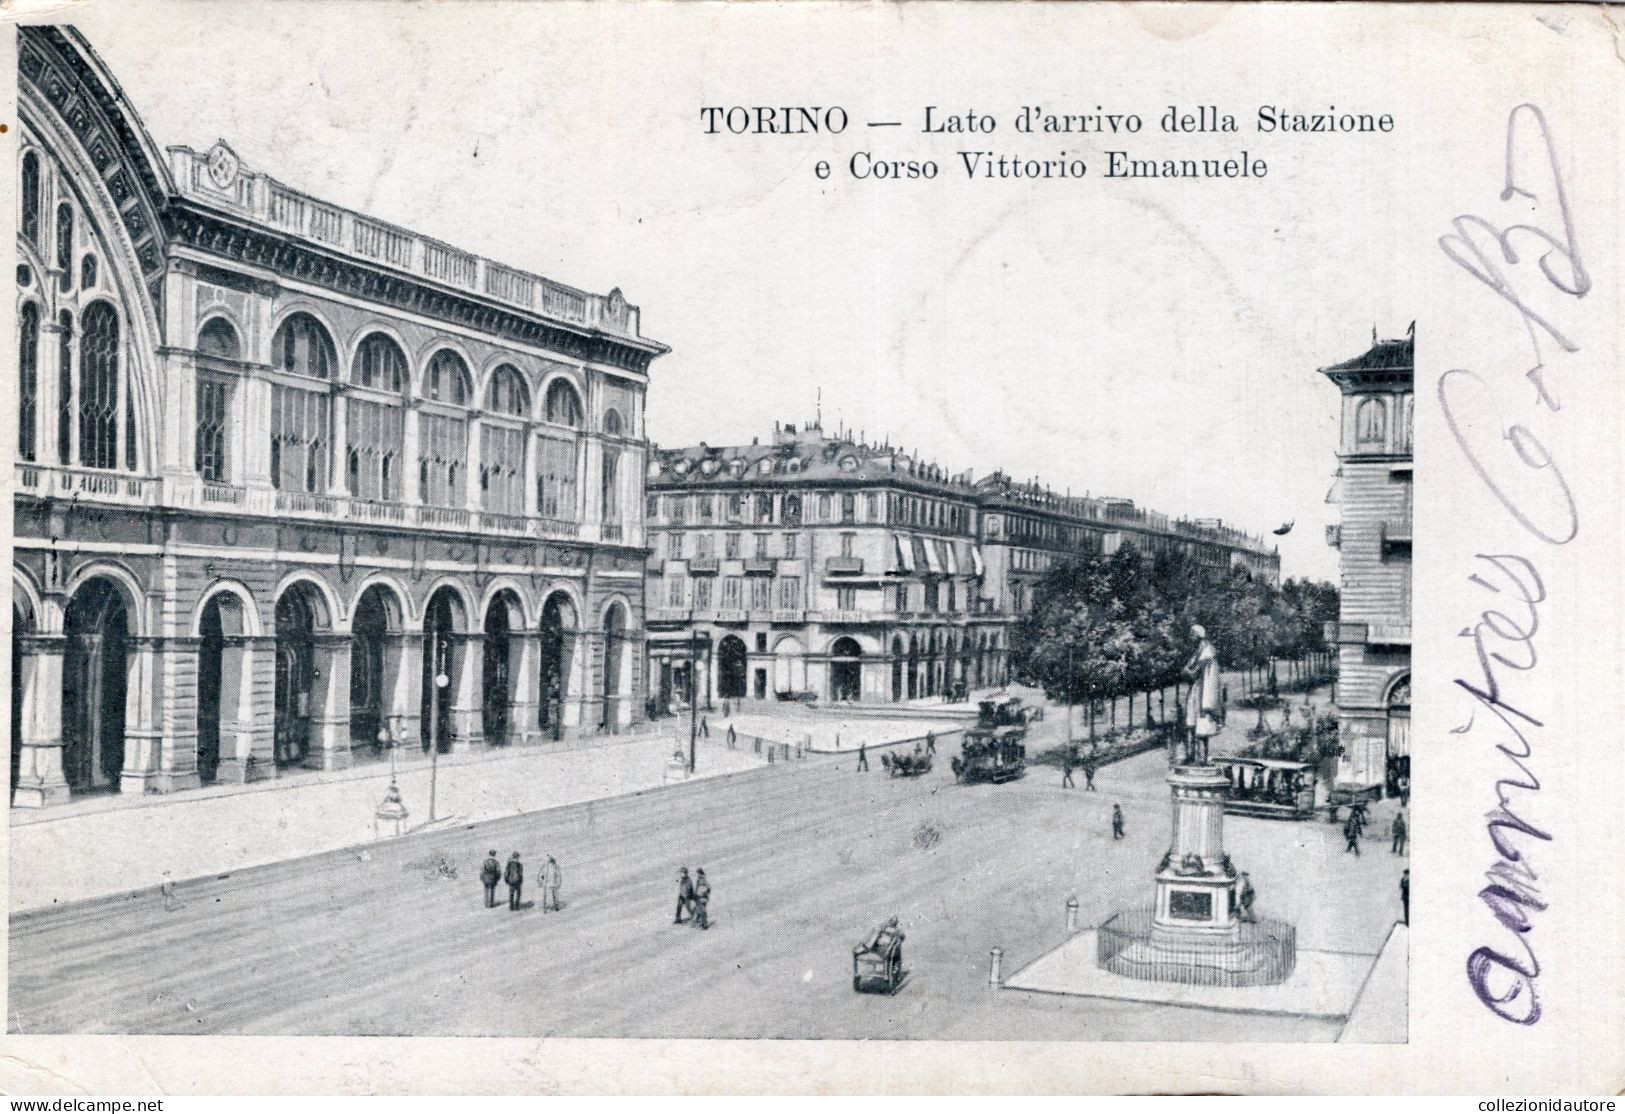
point(1264, 952)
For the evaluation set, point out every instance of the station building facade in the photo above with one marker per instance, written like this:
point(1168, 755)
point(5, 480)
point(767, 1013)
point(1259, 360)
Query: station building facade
point(1373, 490)
point(821, 565)
point(281, 466)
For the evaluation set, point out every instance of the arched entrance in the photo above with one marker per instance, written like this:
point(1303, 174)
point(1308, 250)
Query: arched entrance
point(913, 667)
point(442, 618)
point(617, 669)
point(558, 627)
point(369, 650)
point(1399, 734)
point(210, 664)
point(896, 669)
point(296, 622)
point(502, 618)
point(20, 625)
point(731, 662)
point(845, 670)
point(93, 688)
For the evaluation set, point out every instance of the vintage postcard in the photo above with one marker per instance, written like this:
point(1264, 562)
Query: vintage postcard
point(813, 547)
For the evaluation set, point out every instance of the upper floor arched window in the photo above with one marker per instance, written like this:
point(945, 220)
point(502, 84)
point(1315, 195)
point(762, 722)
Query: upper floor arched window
point(613, 424)
point(87, 272)
point(446, 379)
point(507, 393)
point(64, 247)
point(379, 364)
point(27, 381)
point(100, 388)
point(302, 347)
point(28, 220)
point(218, 338)
point(1370, 422)
point(562, 406)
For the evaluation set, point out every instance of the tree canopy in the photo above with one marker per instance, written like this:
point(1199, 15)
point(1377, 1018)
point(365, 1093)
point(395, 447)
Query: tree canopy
point(1103, 626)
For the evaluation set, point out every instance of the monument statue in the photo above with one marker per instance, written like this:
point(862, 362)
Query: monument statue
point(1202, 704)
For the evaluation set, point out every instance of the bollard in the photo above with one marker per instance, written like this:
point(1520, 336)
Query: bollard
point(770, 752)
point(996, 975)
point(1072, 914)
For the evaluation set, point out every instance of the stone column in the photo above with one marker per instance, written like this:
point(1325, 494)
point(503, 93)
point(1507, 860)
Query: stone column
point(143, 726)
point(177, 670)
point(247, 712)
point(467, 688)
point(578, 654)
point(40, 778)
point(524, 666)
point(330, 703)
point(403, 671)
point(337, 478)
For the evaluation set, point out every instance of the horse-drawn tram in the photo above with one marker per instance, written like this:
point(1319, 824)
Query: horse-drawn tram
point(1272, 787)
point(995, 749)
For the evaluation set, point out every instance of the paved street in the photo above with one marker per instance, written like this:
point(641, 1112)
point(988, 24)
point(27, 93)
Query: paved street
point(804, 859)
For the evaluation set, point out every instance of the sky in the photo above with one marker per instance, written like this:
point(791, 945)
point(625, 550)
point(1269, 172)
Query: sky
point(1152, 340)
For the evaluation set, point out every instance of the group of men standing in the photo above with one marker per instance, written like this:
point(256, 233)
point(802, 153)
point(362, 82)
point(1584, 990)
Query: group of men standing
point(493, 872)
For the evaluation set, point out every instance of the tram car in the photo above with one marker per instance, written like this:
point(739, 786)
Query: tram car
point(1269, 787)
point(995, 749)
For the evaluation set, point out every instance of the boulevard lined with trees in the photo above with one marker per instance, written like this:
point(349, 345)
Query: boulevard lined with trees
point(1104, 628)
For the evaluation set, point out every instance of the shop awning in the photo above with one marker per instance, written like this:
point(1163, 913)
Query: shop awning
point(976, 561)
point(933, 564)
point(905, 554)
point(950, 559)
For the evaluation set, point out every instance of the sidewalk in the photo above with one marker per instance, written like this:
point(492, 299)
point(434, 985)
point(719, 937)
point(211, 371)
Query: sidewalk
point(70, 855)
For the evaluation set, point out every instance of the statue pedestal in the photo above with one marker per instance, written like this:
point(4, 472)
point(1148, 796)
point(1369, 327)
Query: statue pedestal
point(1194, 933)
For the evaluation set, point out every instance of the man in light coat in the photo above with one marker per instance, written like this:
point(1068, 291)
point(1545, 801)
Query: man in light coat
point(552, 879)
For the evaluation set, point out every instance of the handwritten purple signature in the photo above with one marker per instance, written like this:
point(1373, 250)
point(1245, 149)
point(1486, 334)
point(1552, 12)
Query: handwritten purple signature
point(1533, 265)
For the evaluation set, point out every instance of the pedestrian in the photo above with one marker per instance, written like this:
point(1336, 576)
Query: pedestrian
point(1401, 831)
point(1404, 791)
point(1066, 770)
point(1359, 816)
point(552, 879)
point(1247, 897)
point(1089, 776)
point(930, 744)
point(727, 709)
point(491, 874)
point(733, 737)
point(1405, 894)
point(685, 895)
point(1117, 822)
point(515, 877)
point(863, 758)
point(1351, 832)
point(705, 728)
point(702, 898)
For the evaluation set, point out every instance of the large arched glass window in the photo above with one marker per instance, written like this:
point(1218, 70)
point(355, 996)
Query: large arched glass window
point(64, 246)
point(64, 388)
point(216, 341)
point(443, 432)
point(99, 387)
point(502, 442)
point(303, 361)
point(27, 380)
point(556, 468)
point(375, 421)
point(28, 221)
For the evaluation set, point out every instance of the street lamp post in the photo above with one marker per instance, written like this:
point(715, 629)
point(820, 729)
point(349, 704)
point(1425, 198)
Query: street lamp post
point(440, 682)
point(392, 810)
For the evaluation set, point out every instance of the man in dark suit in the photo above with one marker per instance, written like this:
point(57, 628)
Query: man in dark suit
point(685, 895)
point(1117, 821)
point(702, 898)
point(515, 877)
point(1066, 770)
point(1405, 894)
point(491, 874)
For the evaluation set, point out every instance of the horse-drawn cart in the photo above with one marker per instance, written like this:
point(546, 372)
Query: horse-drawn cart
point(906, 765)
